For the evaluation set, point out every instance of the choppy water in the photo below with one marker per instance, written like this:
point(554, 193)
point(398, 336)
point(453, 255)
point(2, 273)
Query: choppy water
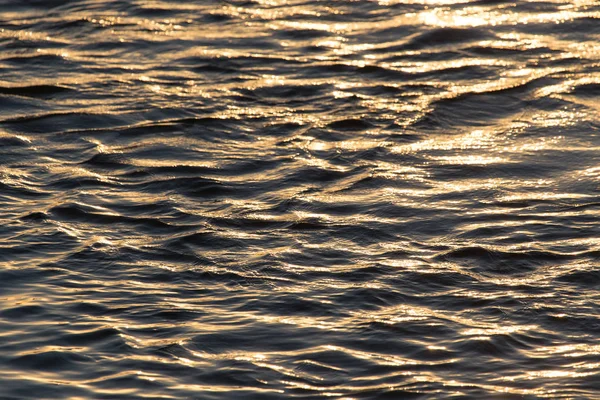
point(299, 199)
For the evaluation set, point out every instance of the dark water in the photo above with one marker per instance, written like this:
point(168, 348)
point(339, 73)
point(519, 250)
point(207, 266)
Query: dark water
point(299, 199)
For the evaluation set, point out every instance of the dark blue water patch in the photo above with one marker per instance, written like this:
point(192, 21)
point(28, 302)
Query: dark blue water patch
point(397, 212)
point(196, 187)
point(218, 130)
point(381, 89)
point(245, 223)
point(423, 284)
point(16, 280)
point(574, 205)
point(13, 141)
point(24, 313)
point(95, 336)
point(581, 28)
point(42, 4)
point(61, 121)
point(13, 105)
point(108, 161)
point(350, 125)
point(560, 230)
point(471, 109)
point(244, 339)
point(152, 11)
point(447, 36)
point(88, 308)
point(549, 103)
point(78, 183)
point(205, 66)
point(52, 361)
point(370, 182)
point(242, 166)
point(173, 257)
point(95, 258)
point(390, 392)
point(368, 298)
point(88, 215)
point(354, 72)
point(302, 34)
point(37, 91)
point(40, 61)
point(587, 278)
point(501, 170)
point(524, 203)
point(204, 240)
point(315, 175)
point(286, 305)
point(510, 52)
point(216, 17)
point(286, 93)
point(376, 235)
point(501, 262)
point(282, 129)
point(390, 33)
point(467, 72)
point(324, 134)
point(397, 54)
point(214, 66)
point(23, 388)
point(137, 384)
point(145, 152)
point(159, 209)
point(572, 323)
point(328, 375)
point(587, 90)
point(14, 191)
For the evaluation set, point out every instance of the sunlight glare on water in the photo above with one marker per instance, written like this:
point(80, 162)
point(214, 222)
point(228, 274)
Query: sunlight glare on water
point(273, 199)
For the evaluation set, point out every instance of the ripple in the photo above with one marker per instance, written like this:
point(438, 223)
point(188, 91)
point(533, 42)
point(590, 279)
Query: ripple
point(301, 200)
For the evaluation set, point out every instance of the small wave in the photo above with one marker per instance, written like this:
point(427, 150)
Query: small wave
point(318, 199)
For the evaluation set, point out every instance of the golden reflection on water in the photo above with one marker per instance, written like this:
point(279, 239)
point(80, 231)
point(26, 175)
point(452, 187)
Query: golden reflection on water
point(484, 148)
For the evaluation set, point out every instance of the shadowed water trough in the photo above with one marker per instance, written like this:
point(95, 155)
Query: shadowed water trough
point(299, 199)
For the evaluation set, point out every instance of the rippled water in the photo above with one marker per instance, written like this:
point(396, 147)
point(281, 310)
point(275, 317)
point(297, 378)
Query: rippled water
point(299, 199)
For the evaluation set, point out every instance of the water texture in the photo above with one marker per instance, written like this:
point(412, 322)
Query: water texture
point(273, 199)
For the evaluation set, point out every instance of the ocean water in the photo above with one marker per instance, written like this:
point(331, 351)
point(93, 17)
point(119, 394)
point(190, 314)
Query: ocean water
point(304, 199)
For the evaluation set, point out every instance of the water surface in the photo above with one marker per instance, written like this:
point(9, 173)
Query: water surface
point(299, 199)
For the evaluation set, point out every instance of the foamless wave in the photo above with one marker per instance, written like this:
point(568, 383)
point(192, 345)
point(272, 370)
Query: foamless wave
point(261, 200)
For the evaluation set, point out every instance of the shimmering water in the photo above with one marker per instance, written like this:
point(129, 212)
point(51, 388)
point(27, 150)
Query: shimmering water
point(299, 199)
